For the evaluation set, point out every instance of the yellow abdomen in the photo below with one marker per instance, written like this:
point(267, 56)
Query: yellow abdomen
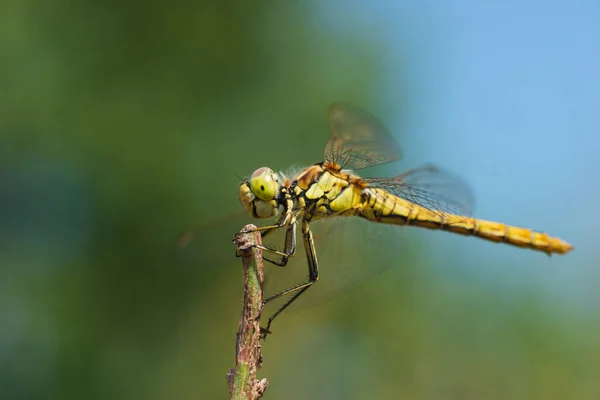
point(380, 206)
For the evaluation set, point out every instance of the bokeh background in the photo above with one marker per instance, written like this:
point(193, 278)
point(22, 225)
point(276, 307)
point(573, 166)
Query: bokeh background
point(122, 125)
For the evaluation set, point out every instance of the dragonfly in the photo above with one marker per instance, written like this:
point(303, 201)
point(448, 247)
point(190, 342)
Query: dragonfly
point(419, 197)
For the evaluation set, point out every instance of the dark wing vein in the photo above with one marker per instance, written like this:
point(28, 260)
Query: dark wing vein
point(358, 140)
point(431, 188)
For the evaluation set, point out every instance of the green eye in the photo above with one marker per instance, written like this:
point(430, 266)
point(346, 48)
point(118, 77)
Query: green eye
point(263, 184)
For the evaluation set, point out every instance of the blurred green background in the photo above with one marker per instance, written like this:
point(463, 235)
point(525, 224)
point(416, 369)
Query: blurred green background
point(122, 125)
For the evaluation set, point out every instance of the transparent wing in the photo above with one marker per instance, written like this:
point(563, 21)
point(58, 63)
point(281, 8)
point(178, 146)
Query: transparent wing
point(358, 140)
point(352, 252)
point(345, 248)
point(195, 232)
point(436, 190)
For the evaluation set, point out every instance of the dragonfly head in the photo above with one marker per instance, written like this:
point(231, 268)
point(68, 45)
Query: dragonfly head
point(258, 194)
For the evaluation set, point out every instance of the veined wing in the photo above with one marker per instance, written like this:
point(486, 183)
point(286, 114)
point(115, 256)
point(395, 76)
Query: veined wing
point(193, 233)
point(431, 188)
point(348, 259)
point(358, 140)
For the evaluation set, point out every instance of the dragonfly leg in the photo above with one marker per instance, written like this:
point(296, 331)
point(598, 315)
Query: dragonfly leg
point(263, 234)
point(288, 251)
point(313, 276)
point(265, 231)
point(283, 221)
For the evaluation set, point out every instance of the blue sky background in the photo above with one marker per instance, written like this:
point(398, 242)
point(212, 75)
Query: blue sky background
point(506, 94)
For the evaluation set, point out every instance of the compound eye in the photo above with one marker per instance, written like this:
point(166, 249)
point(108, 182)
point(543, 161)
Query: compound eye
point(263, 184)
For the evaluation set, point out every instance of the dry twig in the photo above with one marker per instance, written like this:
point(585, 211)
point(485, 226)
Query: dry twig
point(241, 379)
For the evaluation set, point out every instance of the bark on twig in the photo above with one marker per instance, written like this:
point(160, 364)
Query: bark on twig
point(241, 379)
